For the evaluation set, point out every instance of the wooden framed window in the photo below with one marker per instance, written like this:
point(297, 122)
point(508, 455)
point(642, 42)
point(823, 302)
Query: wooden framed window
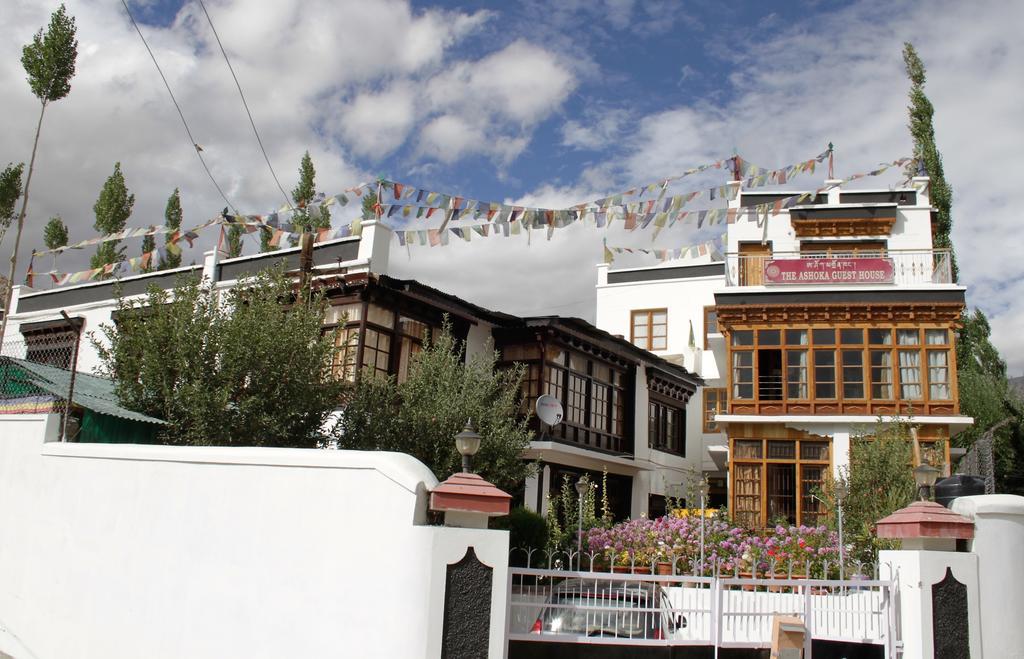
point(714, 403)
point(710, 324)
point(858, 370)
point(649, 329)
point(590, 390)
point(666, 427)
point(777, 478)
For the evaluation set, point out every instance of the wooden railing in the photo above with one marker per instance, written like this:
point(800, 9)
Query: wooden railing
point(909, 267)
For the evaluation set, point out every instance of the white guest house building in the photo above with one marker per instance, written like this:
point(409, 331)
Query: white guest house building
point(823, 317)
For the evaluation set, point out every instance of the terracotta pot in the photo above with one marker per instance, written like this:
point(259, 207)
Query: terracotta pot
point(663, 568)
point(621, 569)
point(642, 569)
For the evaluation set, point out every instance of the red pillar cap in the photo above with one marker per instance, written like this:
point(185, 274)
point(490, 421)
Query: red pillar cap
point(470, 493)
point(925, 519)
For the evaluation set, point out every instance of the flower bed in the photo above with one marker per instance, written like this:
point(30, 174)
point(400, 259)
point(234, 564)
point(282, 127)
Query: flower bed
point(675, 541)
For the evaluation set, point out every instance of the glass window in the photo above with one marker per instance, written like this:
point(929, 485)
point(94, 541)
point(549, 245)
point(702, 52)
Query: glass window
point(796, 337)
point(380, 316)
point(881, 374)
point(781, 450)
point(343, 313)
point(824, 374)
point(710, 323)
point(824, 337)
point(599, 400)
point(938, 375)
point(742, 337)
point(768, 337)
point(346, 340)
point(796, 374)
point(747, 448)
point(743, 374)
point(910, 374)
point(814, 451)
point(936, 337)
point(376, 351)
point(853, 374)
point(577, 400)
point(908, 337)
point(851, 336)
point(714, 403)
point(812, 479)
point(649, 329)
point(880, 337)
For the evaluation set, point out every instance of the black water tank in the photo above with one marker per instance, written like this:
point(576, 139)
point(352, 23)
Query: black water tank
point(958, 485)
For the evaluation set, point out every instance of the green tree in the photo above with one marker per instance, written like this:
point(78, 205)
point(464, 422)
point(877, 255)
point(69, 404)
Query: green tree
point(422, 415)
point(55, 233)
point(303, 195)
point(172, 220)
point(237, 368)
point(880, 481)
point(10, 191)
point(112, 209)
point(922, 129)
point(49, 62)
point(986, 396)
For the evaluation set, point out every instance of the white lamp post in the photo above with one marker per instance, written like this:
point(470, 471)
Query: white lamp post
point(468, 443)
point(581, 488)
point(842, 489)
point(703, 491)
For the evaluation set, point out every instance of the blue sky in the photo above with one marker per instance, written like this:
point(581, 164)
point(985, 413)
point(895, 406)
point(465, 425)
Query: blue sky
point(530, 102)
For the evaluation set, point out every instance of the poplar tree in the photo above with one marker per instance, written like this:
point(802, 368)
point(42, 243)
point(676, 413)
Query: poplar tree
point(49, 62)
point(927, 153)
point(148, 245)
point(10, 191)
point(303, 196)
point(112, 209)
point(172, 220)
point(984, 390)
point(55, 233)
point(234, 240)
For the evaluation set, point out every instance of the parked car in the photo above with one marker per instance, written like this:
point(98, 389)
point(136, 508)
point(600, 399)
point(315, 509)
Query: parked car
point(600, 607)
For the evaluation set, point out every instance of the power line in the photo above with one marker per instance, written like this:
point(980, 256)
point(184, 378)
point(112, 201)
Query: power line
point(287, 199)
point(192, 140)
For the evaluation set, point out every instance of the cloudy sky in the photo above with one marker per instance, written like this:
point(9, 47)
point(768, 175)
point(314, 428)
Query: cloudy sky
point(542, 103)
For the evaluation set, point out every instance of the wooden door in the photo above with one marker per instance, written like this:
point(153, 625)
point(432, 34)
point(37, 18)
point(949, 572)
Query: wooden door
point(752, 259)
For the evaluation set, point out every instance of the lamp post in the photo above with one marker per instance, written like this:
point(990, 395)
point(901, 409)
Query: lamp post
point(925, 476)
point(842, 489)
point(581, 488)
point(468, 443)
point(703, 491)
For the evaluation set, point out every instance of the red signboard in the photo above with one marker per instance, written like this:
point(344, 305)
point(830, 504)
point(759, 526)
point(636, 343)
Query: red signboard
point(828, 271)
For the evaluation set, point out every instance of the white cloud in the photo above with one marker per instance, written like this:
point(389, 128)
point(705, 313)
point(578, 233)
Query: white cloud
point(375, 124)
point(599, 129)
point(449, 137)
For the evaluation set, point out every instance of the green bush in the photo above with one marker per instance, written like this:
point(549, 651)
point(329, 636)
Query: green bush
point(526, 528)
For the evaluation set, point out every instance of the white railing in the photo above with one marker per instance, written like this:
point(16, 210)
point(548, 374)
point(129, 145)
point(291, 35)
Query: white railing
point(728, 612)
point(909, 267)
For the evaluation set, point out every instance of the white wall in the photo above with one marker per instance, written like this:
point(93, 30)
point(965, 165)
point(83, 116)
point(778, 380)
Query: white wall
point(915, 572)
point(999, 545)
point(684, 300)
point(160, 551)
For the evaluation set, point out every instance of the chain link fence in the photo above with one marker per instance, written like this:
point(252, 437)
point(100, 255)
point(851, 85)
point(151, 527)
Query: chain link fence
point(37, 371)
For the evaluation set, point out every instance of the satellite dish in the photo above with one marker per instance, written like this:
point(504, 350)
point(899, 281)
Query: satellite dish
point(549, 410)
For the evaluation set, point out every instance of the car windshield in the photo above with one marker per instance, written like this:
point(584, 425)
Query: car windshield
point(635, 614)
